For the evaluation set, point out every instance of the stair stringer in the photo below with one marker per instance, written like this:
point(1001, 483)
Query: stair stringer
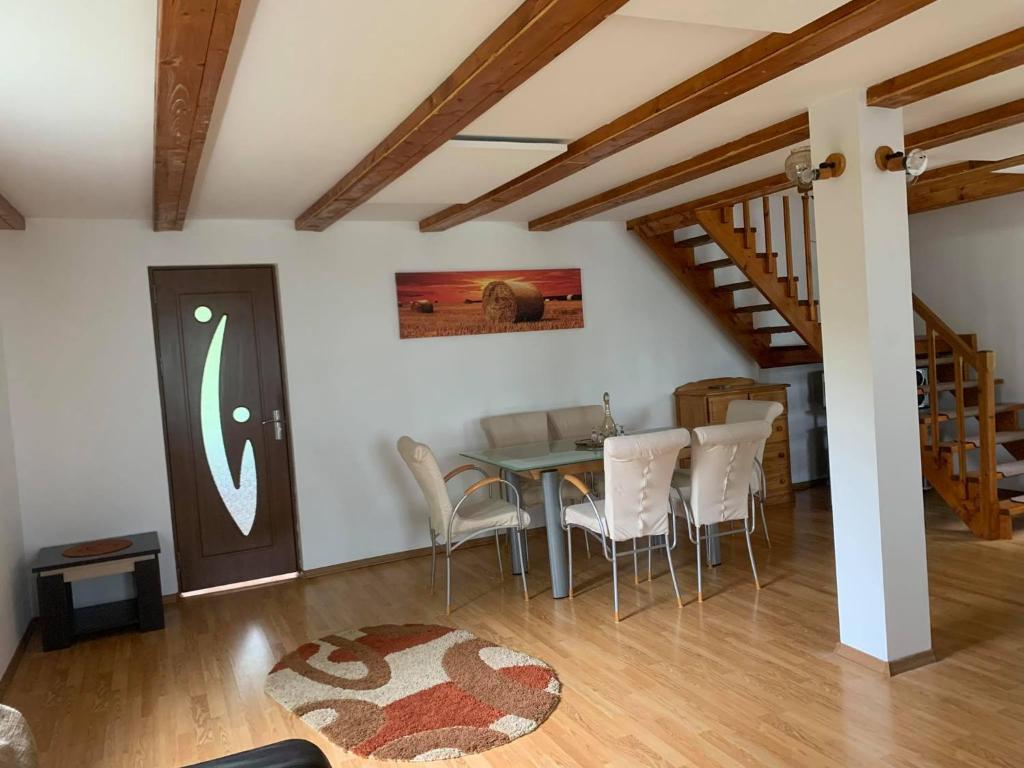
point(758, 271)
point(701, 286)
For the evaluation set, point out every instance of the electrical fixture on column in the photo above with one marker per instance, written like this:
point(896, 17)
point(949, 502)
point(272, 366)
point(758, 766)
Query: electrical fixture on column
point(801, 169)
point(913, 163)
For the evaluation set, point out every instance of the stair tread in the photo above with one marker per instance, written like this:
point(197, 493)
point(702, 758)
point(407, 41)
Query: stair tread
point(716, 264)
point(788, 347)
point(1013, 507)
point(1010, 468)
point(740, 286)
point(939, 359)
point(1010, 436)
point(949, 386)
point(694, 242)
point(970, 411)
point(772, 329)
point(754, 308)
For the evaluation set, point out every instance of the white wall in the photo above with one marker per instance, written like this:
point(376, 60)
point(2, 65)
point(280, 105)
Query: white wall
point(14, 606)
point(75, 307)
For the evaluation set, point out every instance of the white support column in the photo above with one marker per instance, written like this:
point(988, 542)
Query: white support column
point(871, 394)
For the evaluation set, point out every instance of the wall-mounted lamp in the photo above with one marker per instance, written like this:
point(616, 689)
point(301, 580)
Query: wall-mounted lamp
point(913, 163)
point(801, 169)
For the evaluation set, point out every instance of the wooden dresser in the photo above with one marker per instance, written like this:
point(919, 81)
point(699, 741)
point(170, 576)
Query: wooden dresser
point(700, 403)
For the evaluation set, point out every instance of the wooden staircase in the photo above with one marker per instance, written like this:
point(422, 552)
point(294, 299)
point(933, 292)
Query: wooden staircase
point(781, 326)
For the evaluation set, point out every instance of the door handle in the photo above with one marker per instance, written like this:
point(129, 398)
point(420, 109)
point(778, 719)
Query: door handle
point(278, 423)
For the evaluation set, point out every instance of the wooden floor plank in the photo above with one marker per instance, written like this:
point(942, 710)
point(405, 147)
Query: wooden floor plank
point(747, 678)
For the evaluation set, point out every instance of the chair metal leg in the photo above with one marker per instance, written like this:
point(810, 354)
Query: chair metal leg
point(650, 553)
point(700, 586)
point(448, 580)
point(586, 540)
point(522, 571)
point(433, 562)
point(501, 566)
point(672, 572)
point(568, 539)
point(753, 565)
point(636, 565)
point(615, 581)
point(764, 524)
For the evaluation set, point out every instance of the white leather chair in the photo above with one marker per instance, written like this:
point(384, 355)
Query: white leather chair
point(722, 467)
point(638, 475)
point(468, 518)
point(740, 411)
point(577, 421)
point(515, 428)
point(757, 410)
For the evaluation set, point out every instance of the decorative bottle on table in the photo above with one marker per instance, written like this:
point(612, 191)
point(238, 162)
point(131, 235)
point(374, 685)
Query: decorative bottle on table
point(608, 426)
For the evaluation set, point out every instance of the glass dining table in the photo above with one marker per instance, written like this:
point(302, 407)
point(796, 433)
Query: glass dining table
point(547, 461)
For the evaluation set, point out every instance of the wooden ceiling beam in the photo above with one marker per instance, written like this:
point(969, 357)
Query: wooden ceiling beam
point(682, 215)
point(969, 126)
point(762, 142)
point(992, 185)
point(685, 215)
point(770, 139)
point(963, 173)
point(979, 61)
point(530, 38)
point(193, 38)
point(768, 58)
point(9, 216)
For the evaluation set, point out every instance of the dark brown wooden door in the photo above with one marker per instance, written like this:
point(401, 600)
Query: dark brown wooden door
point(225, 422)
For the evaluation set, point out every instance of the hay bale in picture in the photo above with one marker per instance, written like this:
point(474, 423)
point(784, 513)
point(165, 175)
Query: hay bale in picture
point(422, 305)
point(512, 302)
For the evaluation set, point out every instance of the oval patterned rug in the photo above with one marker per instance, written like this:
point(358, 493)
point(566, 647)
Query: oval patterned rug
point(414, 692)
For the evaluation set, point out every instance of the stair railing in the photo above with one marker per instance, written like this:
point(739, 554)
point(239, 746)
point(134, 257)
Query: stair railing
point(792, 287)
point(982, 363)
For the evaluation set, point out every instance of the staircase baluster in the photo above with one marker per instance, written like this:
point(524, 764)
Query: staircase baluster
point(933, 387)
point(790, 285)
point(746, 224)
point(768, 248)
point(988, 488)
point(812, 310)
point(961, 430)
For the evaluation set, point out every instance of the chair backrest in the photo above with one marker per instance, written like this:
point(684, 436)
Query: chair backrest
point(721, 468)
point(515, 428)
point(423, 465)
point(578, 421)
point(638, 479)
point(754, 410)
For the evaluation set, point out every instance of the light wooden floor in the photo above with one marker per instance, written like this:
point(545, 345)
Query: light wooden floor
point(747, 678)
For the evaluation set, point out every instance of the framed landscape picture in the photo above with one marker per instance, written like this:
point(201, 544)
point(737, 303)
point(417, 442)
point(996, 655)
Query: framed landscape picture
point(492, 301)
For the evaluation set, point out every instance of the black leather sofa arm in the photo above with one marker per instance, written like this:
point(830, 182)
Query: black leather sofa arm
point(294, 753)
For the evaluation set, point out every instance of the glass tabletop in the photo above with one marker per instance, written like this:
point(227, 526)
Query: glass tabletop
point(546, 454)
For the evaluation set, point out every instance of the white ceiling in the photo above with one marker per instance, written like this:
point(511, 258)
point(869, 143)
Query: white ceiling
point(777, 16)
point(313, 85)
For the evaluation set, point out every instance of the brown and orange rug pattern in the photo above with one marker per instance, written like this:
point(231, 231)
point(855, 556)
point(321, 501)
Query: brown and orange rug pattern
point(414, 692)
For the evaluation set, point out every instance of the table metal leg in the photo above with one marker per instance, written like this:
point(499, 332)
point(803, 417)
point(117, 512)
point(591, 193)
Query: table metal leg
point(556, 542)
point(714, 547)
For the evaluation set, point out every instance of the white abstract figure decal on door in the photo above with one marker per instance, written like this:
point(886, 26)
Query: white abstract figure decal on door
point(239, 500)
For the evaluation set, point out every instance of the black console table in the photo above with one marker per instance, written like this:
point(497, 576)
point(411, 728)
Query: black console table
point(62, 623)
